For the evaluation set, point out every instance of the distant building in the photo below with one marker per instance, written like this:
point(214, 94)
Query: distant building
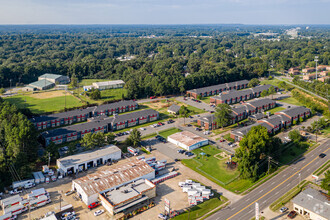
point(128, 196)
point(216, 89)
point(83, 161)
point(187, 140)
point(110, 179)
point(109, 85)
point(55, 78)
point(39, 85)
point(312, 204)
point(174, 109)
point(47, 81)
point(323, 79)
point(308, 70)
point(309, 76)
point(294, 71)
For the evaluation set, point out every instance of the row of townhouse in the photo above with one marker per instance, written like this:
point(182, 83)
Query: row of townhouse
point(238, 113)
point(275, 123)
point(234, 96)
point(217, 89)
point(98, 124)
point(79, 115)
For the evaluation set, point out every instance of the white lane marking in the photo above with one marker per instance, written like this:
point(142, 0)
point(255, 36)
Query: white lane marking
point(247, 199)
point(250, 210)
point(233, 208)
point(276, 193)
point(264, 201)
point(288, 184)
point(284, 175)
point(308, 169)
point(272, 183)
point(261, 190)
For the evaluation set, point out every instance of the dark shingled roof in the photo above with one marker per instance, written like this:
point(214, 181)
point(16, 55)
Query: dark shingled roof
point(219, 86)
point(260, 102)
point(75, 112)
point(294, 111)
point(133, 115)
point(243, 131)
point(233, 94)
point(174, 108)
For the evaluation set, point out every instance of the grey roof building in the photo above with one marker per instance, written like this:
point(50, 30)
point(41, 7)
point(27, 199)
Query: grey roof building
point(42, 84)
point(294, 112)
point(174, 109)
point(55, 78)
point(312, 204)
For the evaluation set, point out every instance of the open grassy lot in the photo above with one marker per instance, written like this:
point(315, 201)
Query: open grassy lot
point(164, 133)
point(273, 82)
point(40, 105)
point(212, 165)
point(292, 101)
point(293, 151)
point(206, 99)
point(277, 109)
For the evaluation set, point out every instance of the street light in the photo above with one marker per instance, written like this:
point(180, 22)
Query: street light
point(299, 180)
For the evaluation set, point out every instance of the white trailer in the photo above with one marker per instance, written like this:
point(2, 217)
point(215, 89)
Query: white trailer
point(150, 160)
point(186, 188)
point(21, 184)
point(38, 192)
point(36, 178)
point(160, 166)
point(133, 151)
point(39, 201)
point(192, 192)
point(10, 201)
point(41, 177)
point(8, 216)
point(16, 209)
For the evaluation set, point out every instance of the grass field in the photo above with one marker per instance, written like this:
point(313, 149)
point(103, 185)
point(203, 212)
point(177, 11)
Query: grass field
point(292, 101)
point(277, 109)
point(206, 99)
point(43, 105)
point(292, 151)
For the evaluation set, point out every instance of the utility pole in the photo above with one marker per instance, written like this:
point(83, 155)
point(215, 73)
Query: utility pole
point(316, 59)
point(48, 160)
point(269, 158)
point(299, 180)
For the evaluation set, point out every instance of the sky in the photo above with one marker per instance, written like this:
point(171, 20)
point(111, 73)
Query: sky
point(164, 11)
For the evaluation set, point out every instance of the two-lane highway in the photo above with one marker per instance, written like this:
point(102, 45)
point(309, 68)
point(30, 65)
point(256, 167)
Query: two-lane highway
point(276, 187)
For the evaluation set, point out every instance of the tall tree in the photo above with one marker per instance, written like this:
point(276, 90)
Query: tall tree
point(253, 151)
point(325, 183)
point(134, 138)
point(184, 112)
point(223, 115)
point(87, 141)
point(254, 82)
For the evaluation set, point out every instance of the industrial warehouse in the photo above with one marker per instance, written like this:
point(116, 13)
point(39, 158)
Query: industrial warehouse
point(187, 140)
point(78, 115)
point(80, 162)
point(99, 124)
point(102, 181)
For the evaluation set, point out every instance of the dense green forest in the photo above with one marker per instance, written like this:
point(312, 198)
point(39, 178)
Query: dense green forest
point(210, 54)
point(18, 145)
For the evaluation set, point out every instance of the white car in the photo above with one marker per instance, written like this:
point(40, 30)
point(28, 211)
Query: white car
point(98, 212)
point(142, 129)
point(283, 209)
point(15, 191)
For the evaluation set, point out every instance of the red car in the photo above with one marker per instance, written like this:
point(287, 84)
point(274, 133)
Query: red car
point(93, 205)
point(292, 214)
point(152, 97)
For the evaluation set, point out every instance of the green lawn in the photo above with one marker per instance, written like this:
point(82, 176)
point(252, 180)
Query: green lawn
point(202, 209)
point(273, 82)
point(292, 151)
point(212, 167)
point(206, 99)
point(277, 109)
point(40, 106)
point(292, 101)
point(164, 133)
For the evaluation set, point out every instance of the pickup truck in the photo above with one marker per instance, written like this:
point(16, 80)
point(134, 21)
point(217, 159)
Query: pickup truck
point(15, 191)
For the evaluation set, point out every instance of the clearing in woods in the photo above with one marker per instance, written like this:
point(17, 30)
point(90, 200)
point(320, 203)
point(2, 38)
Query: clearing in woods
point(49, 94)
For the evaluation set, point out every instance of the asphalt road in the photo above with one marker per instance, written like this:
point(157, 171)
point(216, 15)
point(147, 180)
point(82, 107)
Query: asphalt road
point(276, 187)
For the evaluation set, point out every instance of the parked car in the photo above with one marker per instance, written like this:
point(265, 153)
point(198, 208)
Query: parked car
point(162, 216)
point(230, 143)
point(152, 97)
point(190, 154)
point(142, 129)
point(180, 151)
point(189, 125)
point(29, 185)
point(69, 192)
point(93, 205)
point(98, 212)
point(191, 116)
point(49, 213)
point(292, 214)
point(15, 191)
point(283, 209)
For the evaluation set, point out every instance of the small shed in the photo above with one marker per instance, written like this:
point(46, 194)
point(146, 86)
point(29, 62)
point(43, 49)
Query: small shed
point(174, 109)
